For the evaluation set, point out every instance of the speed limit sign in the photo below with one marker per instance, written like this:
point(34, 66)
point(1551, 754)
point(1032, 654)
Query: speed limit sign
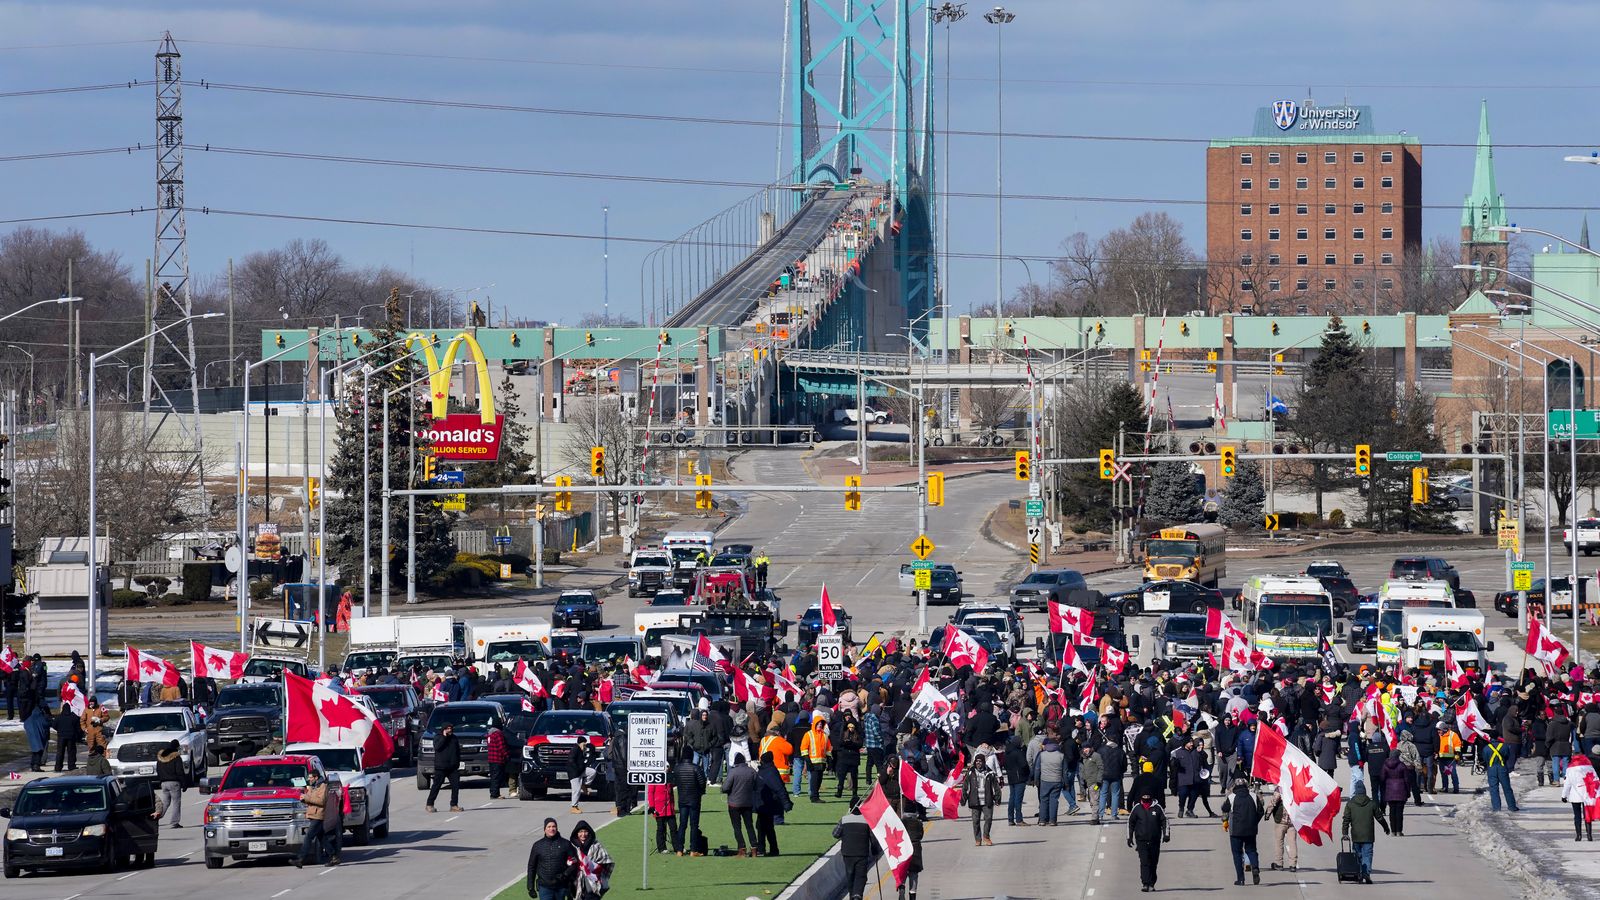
point(830, 653)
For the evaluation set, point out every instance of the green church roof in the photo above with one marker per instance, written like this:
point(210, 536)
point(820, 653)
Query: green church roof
point(1485, 208)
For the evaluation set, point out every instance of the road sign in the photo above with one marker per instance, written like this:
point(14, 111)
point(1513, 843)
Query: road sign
point(1403, 456)
point(280, 634)
point(647, 748)
point(1035, 534)
point(1036, 509)
point(1272, 522)
point(502, 540)
point(455, 503)
point(1506, 534)
point(450, 476)
point(1521, 576)
point(921, 565)
point(1561, 424)
point(830, 653)
point(922, 546)
point(1120, 471)
point(922, 579)
point(1033, 553)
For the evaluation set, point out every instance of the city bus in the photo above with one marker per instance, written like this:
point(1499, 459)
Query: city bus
point(1287, 617)
point(1195, 552)
point(1394, 598)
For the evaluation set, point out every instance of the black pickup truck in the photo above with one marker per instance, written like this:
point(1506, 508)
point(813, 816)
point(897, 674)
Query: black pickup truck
point(759, 629)
point(247, 718)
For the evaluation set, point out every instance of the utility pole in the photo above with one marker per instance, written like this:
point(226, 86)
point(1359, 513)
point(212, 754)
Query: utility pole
point(232, 353)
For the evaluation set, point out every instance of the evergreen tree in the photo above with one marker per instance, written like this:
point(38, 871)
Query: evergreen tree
point(1245, 498)
point(389, 368)
point(1389, 506)
point(515, 463)
point(1173, 495)
point(1087, 420)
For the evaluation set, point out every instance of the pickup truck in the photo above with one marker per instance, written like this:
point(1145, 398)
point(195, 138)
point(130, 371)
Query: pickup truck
point(247, 718)
point(256, 812)
point(545, 755)
point(366, 786)
point(649, 571)
point(142, 733)
point(874, 416)
point(1588, 536)
point(471, 719)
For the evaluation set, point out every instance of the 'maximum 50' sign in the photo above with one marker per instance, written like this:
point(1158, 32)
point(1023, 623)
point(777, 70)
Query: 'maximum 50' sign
point(465, 437)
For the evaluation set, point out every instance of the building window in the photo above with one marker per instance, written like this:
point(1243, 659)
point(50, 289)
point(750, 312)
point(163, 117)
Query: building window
point(1272, 209)
point(1245, 184)
point(1274, 285)
point(1360, 259)
point(1359, 284)
point(1302, 183)
point(1244, 209)
point(1387, 259)
point(1246, 260)
point(1328, 209)
point(1329, 259)
point(1273, 234)
point(1273, 159)
point(1330, 183)
point(1329, 234)
point(1358, 182)
point(1273, 184)
point(1387, 284)
point(1301, 309)
point(1301, 234)
point(1386, 156)
point(1300, 157)
point(1330, 157)
point(1301, 284)
point(1387, 181)
point(1358, 157)
point(1274, 259)
point(1301, 259)
point(1244, 234)
point(1247, 285)
point(1359, 234)
point(1386, 208)
point(1387, 234)
point(1329, 284)
point(1246, 159)
point(1357, 209)
point(1301, 209)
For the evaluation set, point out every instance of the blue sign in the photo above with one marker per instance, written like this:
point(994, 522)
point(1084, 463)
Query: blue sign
point(502, 540)
point(450, 476)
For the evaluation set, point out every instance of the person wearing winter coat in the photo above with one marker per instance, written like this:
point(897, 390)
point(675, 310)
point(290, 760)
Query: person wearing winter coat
point(1285, 839)
point(1148, 829)
point(658, 799)
point(446, 766)
point(1377, 751)
point(1114, 768)
point(1327, 745)
point(1092, 771)
point(1361, 814)
point(68, 733)
point(93, 724)
point(981, 787)
point(595, 865)
point(552, 865)
point(772, 800)
point(1558, 739)
point(1242, 815)
point(1048, 771)
point(1187, 761)
point(1412, 757)
point(742, 785)
point(1017, 773)
point(847, 758)
point(1576, 792)
point(857, 848)
point(914, 831)
point(37, 728)
point(1397, 778)
point(169, 775)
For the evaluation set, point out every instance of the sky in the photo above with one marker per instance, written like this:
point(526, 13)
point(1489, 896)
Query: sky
point(1180, 72)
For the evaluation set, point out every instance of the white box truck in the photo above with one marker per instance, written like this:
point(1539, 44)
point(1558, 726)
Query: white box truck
point(427, 642)
point(374, 644)
point(1427, 632)
point(505, 640)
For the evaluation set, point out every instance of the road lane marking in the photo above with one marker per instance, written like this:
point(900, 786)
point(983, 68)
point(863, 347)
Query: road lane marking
point(274, 896)
point(74, 897)
point(866, 576)
point(491, 802)
point(325, 870)
point(453, 818)
point(1089, 892)
point(127, 876)
point(1097, 873)
point(1102, 856)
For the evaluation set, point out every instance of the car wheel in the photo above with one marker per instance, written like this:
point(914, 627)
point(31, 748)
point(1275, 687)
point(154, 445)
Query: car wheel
point(1200, 607)
point(381, 832)
point(1452, 504)
point(523, 793)
point(1130, 607)
point(213, 862)
point(147, 860)
point(361, 835)
point(212, 761)
point(13, 871)
point(422, 781)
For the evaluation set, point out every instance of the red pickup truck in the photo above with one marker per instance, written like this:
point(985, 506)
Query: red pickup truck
point(256, 811)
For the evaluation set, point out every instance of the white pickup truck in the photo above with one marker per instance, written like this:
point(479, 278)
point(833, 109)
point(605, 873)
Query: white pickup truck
point(1588, 531)
point(367, 787)
point(874, 416)
point(141, 734)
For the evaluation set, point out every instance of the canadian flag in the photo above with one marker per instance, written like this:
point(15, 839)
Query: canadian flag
point(923, 678)
point(1470, 720)
point(1070, 619)
point(1581, 771)
point(747, 688)
point(1111, 659)
point(525, 678)
point(314, 714)
point(437, 694)
point(73, 699)
point(1088, 699)
point(8, 659)
point(784, 684)
point(1071, 659)
point(527, 705)
point(890, 832)
point(962, 650)
point(942, 796)
point(1218, 624)
point(830, 622)
point(1456, 675)
point(1310, 795)
point(210, 662)
point(708, 657)
point(144, 667)
point(1546, 647)
point(559, 689)
point(1328, 691)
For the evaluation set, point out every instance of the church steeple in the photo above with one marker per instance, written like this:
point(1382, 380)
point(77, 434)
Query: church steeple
point(1484, 210)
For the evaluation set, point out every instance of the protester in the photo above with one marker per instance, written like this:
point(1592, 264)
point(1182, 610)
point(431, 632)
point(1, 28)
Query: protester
point(1148, 829)
point(169, 775)
point(857, 849)
point(981, 788)
point(593, 875)
point(1361, 814)
point(69, 730)
point(690, 782)
point(742, 785)
point(658, 797)
point(497, 754)
point(1575, 790)
point(772, 801)
point(446, 766)
point(1241, 816)
point(1285, 839)
point(552, 865)
point(315, 797)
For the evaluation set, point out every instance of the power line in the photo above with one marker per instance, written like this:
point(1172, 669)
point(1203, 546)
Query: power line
point(74, 89)
point(69, 154)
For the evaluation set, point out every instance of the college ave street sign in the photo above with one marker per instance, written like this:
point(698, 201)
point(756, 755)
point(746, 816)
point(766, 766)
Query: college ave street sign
point(1403, 456)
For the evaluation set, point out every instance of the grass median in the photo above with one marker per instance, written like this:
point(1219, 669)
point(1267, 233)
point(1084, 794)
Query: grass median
point(807, 834)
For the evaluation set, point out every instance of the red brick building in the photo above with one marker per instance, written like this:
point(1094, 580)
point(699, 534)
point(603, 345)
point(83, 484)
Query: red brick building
point(1315, 213)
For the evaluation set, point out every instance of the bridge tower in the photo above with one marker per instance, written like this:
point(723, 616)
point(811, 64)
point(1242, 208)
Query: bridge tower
point(878, 125)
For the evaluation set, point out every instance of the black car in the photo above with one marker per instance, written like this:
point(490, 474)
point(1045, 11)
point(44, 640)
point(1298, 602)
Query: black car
point(944, 586)
point(1363, 629)
point(81, 822)
point(1431, 568)
point(402, 712)
point(471, 719)
point(246, 718)
point(549, 747)
point(811, 624)
point(987, 638)
point(1165, 597)
point(1181, 636)
point(1506, 601)
point(1345, 595)
point(578, 609)
point(620, 710)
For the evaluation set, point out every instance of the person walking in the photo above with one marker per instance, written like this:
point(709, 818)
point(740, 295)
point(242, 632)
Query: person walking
point(981, 787)
point(446, 766)
point(1397, 778)
point(772, 800)
point(1449, 753)
point(37, 727)
point(93, 723)
point(1148, 829)
point(1092, 771)
point(1241, 816)
point(914, 831)
point(658, 798)
point(847, 759)
point(1014, 763)
point(742, 785)
point(552, 865)
point(1187, 762)
point(816, 747)
point(857, 849)
point(69, 730)
point(1575, 790)
point(1558, 742)
point(169, 774)
point(315, 796)
point(1114, 765)
point(1362, 818)
point(495, 748)
point(579, 763)
point(1285, 839)
point(1497, 761)
point(690, 782)
point(1048, 771)
point(595, 864)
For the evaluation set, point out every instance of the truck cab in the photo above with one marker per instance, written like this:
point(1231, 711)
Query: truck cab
point(255, 811)
point(471, 719)
point(374, 644)
point(142, 734)
point(267, 666)
point(649, 571)
point(1427, 632)
point(247, 717)
point(366, 786)
point(549, 746)
point(507, 639)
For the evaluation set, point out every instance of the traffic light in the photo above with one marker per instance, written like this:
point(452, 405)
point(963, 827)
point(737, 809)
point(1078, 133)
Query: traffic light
point(1277, 363)
point(935, 488)
point(597, 462)
point(1363, 459)
point(702, 498)
point(1108, 465)
point(1211, 361)
point(588, 338)
point(664, 338)
point(1419, 485)
point(430, 467)
point(852, 498)
point(1274, 327)
point(1144, 360)
point(313, 492)
point(1022, 468)
point(563, 498)
point(278, 339)
point(1230, 462)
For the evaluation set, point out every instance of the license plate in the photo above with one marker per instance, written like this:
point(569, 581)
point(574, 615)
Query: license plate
point(258, 846)
point(147, 770)
point(55, 851)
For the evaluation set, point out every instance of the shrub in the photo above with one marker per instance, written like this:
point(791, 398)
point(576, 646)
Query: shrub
point(516, 561)
point(457, 576)
point(122, 598)
point(552, 556)
point(1336, 519)
point(196, 582)
point(488, 568)
point(260, 589)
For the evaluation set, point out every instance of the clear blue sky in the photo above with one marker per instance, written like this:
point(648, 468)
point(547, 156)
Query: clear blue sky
point(1160, 69)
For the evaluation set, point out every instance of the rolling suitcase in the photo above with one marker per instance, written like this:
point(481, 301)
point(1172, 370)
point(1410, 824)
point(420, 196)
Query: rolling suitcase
point(1347, 864)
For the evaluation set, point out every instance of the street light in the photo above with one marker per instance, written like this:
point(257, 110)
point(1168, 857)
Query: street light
point(19, 312)
point(948, 14)
point(1478, 267)
point(999, 16)
point(94, 485)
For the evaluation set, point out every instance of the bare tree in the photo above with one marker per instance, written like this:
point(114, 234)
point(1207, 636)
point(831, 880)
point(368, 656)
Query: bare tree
point(599, 422)
point(993, 408)
point(1244, 286)
point(1150, 267)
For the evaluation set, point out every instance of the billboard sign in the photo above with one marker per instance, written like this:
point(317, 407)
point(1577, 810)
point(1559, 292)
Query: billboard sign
point(465, 437)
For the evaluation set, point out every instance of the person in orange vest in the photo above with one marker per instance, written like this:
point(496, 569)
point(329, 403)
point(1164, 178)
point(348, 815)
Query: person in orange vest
point(816, 747)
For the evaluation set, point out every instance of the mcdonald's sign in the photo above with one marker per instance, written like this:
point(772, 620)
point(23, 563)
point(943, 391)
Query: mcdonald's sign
point(464, 437)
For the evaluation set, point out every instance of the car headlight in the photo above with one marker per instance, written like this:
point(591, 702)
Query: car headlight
point(16, 834)
point(94, 831)
point(358, 795)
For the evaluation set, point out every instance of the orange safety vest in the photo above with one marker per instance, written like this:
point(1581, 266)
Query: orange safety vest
point(781, 750)
point(1449, 745)
point(815, 745)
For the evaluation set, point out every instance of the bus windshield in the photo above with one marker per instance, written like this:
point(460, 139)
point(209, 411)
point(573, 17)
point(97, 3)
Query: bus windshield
point(1294, 620)
point(1457, 641)
point(1172, 548)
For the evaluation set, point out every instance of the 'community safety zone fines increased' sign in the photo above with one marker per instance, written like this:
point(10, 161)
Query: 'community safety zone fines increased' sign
point(462, 437)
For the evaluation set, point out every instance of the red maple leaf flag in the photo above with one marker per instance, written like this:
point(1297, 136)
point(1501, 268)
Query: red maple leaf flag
point(1310, 795)
point(1070, 619)
point(962, 650)
point(936, 795)
point(143, 667)
point(314, 714)
point(1089, 699)
point(8, 659)
point(213, 663)
point(1216, 619)
point(830, 622)
point(1071, 659)
point(73, 699)
point(1453, 671)
point(1546, 647)
point(1470, 720)
point(890, 832)
point(526, 679)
